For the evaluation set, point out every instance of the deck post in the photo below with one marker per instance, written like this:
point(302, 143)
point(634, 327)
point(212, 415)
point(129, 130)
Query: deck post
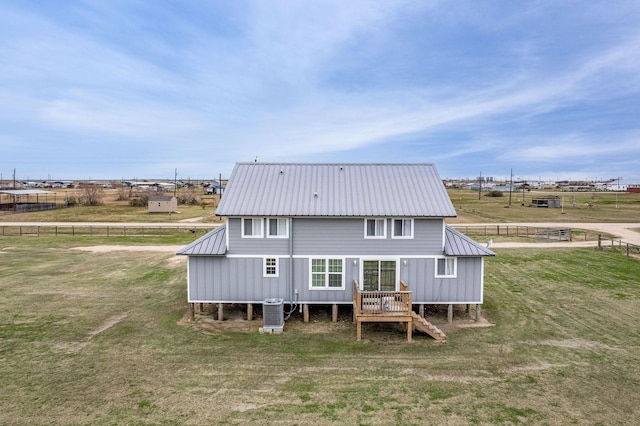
point(450, 314)
point(305, 313)
point(334, 313)
point(467, 308)
point(358, 331)
point(478, 309)
point(191, 312)
point(409, 330)
point(249, 311)
point(202, 308)
point(421, 310)
point(220, 311)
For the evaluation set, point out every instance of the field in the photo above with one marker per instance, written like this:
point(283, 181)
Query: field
point(90, 338)
point(577, 207)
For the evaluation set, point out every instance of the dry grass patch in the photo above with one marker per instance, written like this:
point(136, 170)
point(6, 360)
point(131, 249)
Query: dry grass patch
point(92, 346)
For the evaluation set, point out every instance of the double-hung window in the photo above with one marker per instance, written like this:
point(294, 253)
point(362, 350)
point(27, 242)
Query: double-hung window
point(446, 267)
point(277, 228)
point(402, 228)
point(375, 228)
point(251, 227)
point(327, 274)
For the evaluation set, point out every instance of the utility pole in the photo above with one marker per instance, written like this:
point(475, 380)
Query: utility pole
point(175, 182)
point(510, 186)
point(480, 186)
point(617, 189)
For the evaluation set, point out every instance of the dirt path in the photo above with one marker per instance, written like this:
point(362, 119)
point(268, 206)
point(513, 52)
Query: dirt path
point(624, 231)
point(108, 248)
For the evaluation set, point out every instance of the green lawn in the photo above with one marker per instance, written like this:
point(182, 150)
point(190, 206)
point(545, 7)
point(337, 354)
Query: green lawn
point(91, 338)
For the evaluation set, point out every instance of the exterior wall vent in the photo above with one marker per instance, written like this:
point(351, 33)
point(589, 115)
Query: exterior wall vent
point(273, 315)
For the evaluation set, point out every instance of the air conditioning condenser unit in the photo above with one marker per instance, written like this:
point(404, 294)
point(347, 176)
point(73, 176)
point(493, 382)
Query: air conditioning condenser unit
point(273, 315)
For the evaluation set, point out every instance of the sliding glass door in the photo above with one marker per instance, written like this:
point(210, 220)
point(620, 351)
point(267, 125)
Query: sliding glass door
point(379, 275)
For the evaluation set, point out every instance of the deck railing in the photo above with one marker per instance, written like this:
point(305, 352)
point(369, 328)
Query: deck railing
point(385, 303)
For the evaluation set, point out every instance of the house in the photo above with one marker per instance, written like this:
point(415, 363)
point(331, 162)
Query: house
point(333, 233)
point(163, 204)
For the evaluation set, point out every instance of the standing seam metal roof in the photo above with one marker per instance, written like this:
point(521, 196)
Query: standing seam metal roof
point(294, 189)
point(458, 244)
point(213, 243)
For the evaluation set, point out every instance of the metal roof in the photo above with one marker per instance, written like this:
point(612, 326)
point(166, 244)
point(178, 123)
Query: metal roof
point(213, 243)
point(458, 244)
point(292, 189)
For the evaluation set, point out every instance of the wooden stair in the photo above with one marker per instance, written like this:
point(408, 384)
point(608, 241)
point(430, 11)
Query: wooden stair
point(425, 326)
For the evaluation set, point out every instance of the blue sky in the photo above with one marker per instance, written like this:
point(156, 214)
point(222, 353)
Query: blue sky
point(137, 89)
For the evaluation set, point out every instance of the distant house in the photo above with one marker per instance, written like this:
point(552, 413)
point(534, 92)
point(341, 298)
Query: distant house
point(372, 236)
point(163, 204)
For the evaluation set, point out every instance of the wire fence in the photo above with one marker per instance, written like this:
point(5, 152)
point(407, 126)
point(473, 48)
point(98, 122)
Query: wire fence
point(560, 234)
point(618, 245)
point(99, 230)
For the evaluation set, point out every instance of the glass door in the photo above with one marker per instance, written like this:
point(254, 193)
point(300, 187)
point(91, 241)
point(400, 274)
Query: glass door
point(379, 275)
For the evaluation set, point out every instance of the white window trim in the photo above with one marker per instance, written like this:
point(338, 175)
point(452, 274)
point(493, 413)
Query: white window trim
point(455, 267)
point(399, 237)
point(375, 237)
point(252, 218)
point(311, 259)
point(286, 227)
point(264, 267)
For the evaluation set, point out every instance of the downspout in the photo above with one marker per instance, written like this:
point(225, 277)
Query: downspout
point(291, 289)
point(293, 293)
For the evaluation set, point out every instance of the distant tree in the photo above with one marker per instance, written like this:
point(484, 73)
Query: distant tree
point(124, 193)
point(189, 196)
point(495, 194)
point(141, 198)
point(91, 195)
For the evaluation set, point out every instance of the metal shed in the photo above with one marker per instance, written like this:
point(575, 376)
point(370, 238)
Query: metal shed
point(550, 202)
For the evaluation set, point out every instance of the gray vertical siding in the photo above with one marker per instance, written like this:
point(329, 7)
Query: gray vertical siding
point(238, 277)
point(419, 274)
point(219, 279)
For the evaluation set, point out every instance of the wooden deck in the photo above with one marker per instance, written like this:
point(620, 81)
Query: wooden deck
point(382, 306)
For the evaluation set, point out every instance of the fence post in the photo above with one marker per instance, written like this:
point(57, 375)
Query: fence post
point(627, 249)
point(600, 241)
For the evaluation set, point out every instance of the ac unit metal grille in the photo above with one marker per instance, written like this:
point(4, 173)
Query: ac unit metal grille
point(273, 314)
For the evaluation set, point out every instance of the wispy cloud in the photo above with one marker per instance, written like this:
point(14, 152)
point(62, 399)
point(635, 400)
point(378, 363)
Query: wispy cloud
point(458, 84)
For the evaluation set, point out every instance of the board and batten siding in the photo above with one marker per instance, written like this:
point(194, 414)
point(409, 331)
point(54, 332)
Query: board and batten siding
point(220, 279)
point(241, 280)
point(339, 237)
point(466, 287)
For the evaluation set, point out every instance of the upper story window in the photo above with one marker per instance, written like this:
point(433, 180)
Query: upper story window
point(278, 228)
point(375, 228)
point(446, 267)
point(402, 228)
point(251, 227)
